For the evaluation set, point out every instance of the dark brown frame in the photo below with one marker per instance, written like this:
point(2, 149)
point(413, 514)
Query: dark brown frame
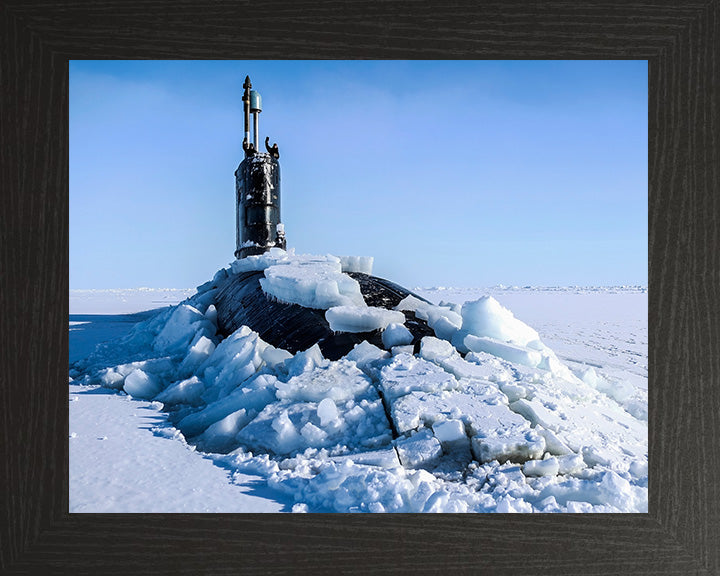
point(681, 533)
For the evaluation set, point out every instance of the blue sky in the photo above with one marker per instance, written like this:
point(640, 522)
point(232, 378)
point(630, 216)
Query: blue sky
point(449, 173)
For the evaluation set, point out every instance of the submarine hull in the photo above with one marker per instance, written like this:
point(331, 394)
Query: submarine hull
point(240, 300)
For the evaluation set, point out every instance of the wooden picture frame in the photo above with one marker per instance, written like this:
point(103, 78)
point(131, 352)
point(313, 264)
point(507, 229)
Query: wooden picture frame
point(680, 534)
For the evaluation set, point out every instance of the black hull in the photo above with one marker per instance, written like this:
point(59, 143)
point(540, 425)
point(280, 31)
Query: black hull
point(241, 301)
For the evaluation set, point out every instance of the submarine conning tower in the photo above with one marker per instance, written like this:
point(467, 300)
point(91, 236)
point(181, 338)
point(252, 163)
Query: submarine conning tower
point(257, 187)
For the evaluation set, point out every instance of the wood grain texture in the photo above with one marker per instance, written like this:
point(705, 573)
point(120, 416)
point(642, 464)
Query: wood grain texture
point(680, 535)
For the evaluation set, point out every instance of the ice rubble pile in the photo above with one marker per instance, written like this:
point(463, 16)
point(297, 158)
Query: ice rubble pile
point(483, 418)
point(320, 282)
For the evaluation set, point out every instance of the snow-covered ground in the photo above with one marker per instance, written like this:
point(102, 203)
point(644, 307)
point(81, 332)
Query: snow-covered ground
point(545, 411)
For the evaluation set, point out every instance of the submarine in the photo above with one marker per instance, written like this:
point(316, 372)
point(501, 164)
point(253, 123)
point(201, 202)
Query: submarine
point(240, 298)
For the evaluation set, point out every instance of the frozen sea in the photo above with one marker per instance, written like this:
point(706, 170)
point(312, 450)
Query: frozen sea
point(125, 456)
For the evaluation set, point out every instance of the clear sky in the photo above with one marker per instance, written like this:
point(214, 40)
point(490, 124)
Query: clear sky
point(449, 173)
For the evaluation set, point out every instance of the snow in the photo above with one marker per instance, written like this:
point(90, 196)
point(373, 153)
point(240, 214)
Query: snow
point(491, 415)
point(124, 457)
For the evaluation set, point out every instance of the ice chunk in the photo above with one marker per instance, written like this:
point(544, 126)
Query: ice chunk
point(575, 507)
point(396, 335)
point(111, 378)
point(570, 464)
point(327, 411)
point(547, 416)
point(443, 327)
point(450, 432)
point(547, 467)
point(162, 369)
point(510, 352)
point(253, 397)
point(313, 435)
point(454, 306)
point(275, 429)
point(508, 443)
point(443, 320)
point(385, 458)
point(362, 264)
point(281, 427)
point(498, 433)
point(434, 349)
point(274, 356)
point(514, 392)
point(201, 301)
point(553, 444)
point(211, 314)
point(364, 354)
point(421, 449)
point(638, 469)
point(408, 349)
point(616, 491)
point(305, 361)
point(287, 437)
point(201, 349)
point(181, 328)
point(261, 261)
point(508, 504)
point(406, 374)
point(140, 384)
point(204, 287)
point(551, 362)
point(234, 360)
point(338, 381)
point(413, 304)
point(446, 356)
point(496, 369)
point(361, 318)
point(219, 277)
point(534, 355)
point(417, 409)
point(220, 436)
point(486, 317)
point(458, 340)
point(187, 391)
point(313, 283)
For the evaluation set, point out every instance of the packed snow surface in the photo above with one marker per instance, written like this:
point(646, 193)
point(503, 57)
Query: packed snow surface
point(484, 418)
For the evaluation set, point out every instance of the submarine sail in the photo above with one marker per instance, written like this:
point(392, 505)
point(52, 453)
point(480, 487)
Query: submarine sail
point(241, 300)
point(257, 188)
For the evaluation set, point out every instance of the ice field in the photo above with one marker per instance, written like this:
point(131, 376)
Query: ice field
point(526, 400)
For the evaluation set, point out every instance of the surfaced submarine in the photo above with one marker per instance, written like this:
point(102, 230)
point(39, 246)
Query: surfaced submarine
point(240, 299)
